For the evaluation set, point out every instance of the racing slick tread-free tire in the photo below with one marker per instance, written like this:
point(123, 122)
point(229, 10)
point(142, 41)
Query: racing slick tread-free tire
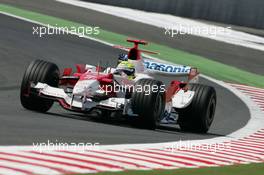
point(199, 115)
point(149, 107)
point(38, 71)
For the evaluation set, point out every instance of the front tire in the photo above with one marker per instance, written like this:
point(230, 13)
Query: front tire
point(149, 106)
point(38, 71)
point(199, 115)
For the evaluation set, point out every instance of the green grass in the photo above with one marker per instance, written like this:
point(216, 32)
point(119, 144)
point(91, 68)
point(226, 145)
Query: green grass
point(250, 169)
point(208, 67)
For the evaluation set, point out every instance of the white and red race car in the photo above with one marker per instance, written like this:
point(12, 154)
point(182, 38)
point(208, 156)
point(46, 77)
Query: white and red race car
point(144, 100)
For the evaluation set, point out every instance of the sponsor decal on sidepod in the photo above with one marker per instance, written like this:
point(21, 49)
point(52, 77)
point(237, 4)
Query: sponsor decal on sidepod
point(166, 67)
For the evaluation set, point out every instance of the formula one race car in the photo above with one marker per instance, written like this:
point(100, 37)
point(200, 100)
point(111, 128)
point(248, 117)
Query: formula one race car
point(128, 90)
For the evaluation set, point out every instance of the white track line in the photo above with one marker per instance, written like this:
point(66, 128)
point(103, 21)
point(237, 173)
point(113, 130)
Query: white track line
point(179, 23)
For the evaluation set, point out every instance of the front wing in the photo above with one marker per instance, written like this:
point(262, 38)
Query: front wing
point(75, 103)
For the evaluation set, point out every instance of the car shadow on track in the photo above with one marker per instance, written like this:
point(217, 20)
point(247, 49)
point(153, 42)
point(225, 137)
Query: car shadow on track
point(125, 123)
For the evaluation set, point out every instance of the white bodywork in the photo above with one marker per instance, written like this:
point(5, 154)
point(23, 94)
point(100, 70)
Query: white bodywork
point(84, 90)
point(49, 91)
point(182, 99)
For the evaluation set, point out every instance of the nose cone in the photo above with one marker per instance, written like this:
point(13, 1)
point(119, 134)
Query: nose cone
point(86, 87)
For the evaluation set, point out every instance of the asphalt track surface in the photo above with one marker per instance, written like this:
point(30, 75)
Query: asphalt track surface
point(22, 127)
point(244, 58)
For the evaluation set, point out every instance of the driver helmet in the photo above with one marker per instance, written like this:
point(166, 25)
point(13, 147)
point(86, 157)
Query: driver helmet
point(122, 57)
point(128, 68)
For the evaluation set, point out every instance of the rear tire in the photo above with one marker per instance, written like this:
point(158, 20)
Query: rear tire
point(38, 71)
point(149, 107)
point(199, 115)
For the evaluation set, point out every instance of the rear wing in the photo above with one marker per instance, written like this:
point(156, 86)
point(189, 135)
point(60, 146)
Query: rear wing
point(134, 53)
point(136, 42)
